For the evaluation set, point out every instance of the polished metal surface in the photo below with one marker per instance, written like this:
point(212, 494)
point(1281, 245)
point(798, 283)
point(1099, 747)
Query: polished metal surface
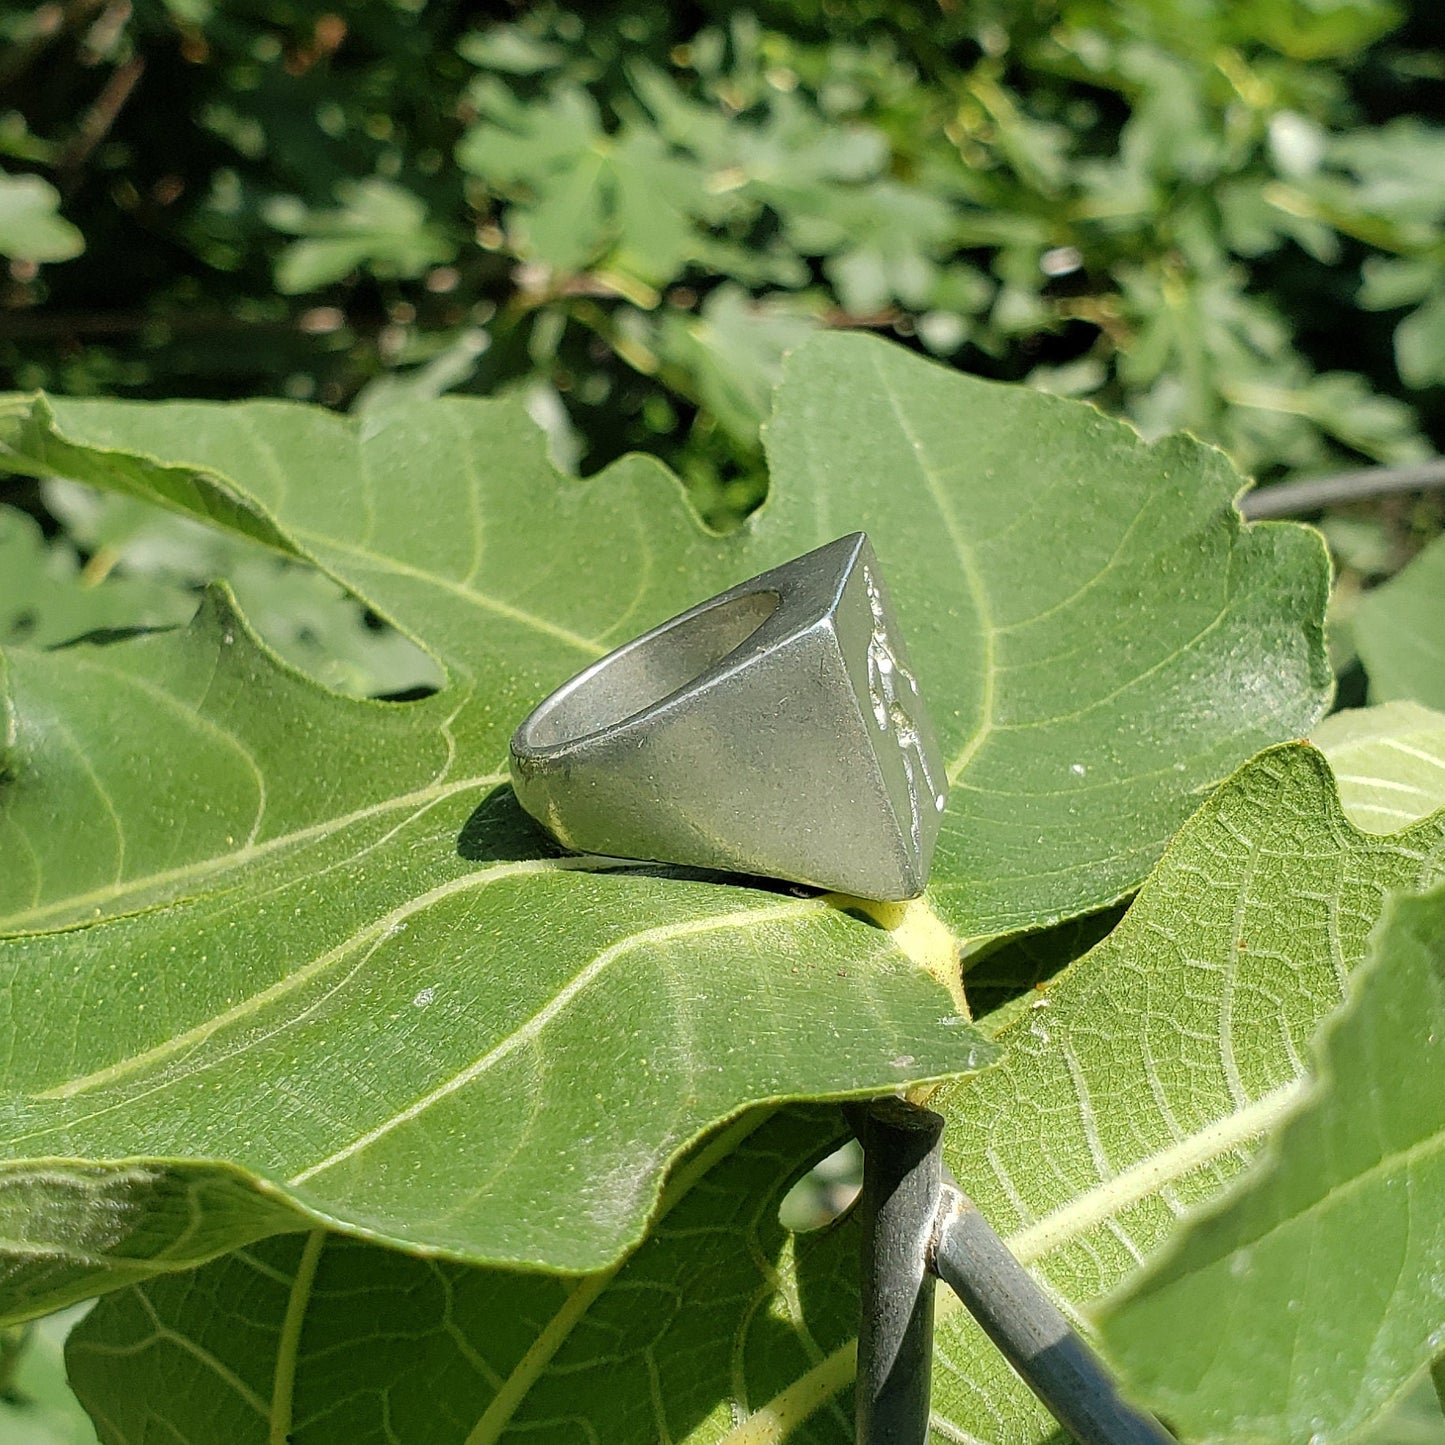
point(775, 729)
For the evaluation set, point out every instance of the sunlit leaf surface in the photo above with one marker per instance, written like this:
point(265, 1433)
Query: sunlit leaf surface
point(300, 958)
point(1138, 1087)
point(1305, 1303)
point(1389, 762)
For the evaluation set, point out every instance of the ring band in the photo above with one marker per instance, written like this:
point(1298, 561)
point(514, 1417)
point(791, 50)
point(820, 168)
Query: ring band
point(775, 729)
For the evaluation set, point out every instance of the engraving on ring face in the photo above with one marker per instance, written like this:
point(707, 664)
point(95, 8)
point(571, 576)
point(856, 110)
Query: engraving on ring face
point(890, 685)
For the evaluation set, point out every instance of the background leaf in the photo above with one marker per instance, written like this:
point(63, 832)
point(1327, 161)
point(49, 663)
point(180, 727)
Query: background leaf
point(675, 1344)
point(1242, 1330)
point(734, 348)
point(45, 599)
point(303, 615)
point(1389, 762)
point(31, 228)
point(36, 1405)
point(1399, 629)
point(1417, 1419)
point(1094, 206)
point(360, 917)
point(378, 224)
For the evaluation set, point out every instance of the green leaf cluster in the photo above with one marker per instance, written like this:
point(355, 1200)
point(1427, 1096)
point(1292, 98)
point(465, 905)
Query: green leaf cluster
point(369, 1115)
point(1219, 220)
point(365, 1112)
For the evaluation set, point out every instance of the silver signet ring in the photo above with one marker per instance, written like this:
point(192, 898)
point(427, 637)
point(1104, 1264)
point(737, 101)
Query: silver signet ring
point(776, 729)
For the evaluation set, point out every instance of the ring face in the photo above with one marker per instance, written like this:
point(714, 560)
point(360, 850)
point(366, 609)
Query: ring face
point(775, 729)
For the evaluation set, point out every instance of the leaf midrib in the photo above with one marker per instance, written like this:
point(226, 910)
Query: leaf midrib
point(554, 1334)
point(588, 646)
point(288, 1347)
point(1136, 1183)
point(222, 862)
point(376, 929)
point(560, 1000)
point(1387, 1165)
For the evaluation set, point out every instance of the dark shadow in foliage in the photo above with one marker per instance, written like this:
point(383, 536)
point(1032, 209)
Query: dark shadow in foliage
point(1001, 982)
point(754, 881)
point(860, 914)
point(106, 636)
point(22, 625)
point(1352, 688)
point(407, 694)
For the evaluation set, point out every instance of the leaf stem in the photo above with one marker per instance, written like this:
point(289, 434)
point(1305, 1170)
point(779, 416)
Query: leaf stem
point(807, 1394)
point(1032, 1333)
point(283, 1384)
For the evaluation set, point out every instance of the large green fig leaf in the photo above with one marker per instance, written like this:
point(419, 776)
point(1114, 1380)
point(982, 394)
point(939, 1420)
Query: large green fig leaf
point(1136, 1089)
point(1099, 636)
point(1085, 611)
point(1142, 1079)
point(302, 951)
point(679, 1343)
point(394, 1001)
point(1317, 1282)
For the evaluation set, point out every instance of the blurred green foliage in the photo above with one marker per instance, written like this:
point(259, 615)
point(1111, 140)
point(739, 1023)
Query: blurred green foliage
point(36, 1404)
point(1225, 215)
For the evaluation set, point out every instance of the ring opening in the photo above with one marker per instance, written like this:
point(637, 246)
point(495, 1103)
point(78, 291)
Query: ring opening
point(651, 669)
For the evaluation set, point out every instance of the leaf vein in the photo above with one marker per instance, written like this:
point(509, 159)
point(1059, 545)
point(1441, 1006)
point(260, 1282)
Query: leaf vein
point(393, 566)
point(206, 867)
point(555, 1005)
